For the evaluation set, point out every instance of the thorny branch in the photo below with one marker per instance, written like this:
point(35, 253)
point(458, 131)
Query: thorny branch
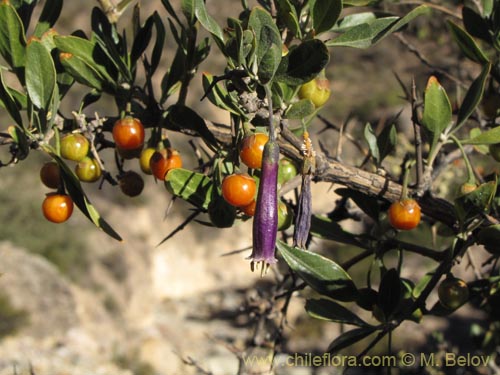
point(369, 183)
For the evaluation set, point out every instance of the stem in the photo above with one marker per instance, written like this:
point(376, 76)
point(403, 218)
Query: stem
point(418, 136)
point(470, 172)
point(406, 178)
point(188, 73)
point(272, 132)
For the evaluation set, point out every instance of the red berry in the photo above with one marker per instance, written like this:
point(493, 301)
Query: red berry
point(239, 189)
point(249, 209)
point(252, 148)
point(128, 133)
point(164, 160)
point(404, 214)
point(50, 174)
point(57, 208)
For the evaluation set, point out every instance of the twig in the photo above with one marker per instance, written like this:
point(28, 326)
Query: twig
point(191, 362)
point(181, 226)
point(368, 183)
point(330, 125)
point(472, 263)
point(425, 61)
point(418, 136)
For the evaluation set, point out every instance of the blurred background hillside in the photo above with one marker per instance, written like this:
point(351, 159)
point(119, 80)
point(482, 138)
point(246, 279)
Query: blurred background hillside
point(74, 301)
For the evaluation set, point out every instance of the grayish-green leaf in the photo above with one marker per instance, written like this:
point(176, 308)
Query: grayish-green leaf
point(193, 187)
point(489, 137)
point(303, 63)
point(437, 109)
point(300, 109)
point(325, 14)
point(332, 311)
point(320, 273)
point(50, 13)
point(367, 34)
point(75, 190)
point(371, 139)
point(207, 21)
point(467, 44)
point(349, 338)
point(40, 74)
point(9, 102)
point(12, 40)
point(473, 96)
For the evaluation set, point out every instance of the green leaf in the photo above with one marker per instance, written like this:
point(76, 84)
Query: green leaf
point(110, 44)
point(365, 202)
point(193, 187)
point(473, 96)
point(389, 294)
point(325, 14)
point(437, 109)
point(268, 38)
point(489, 137)
point(349, 338)
point(207, 21)
point(12, 40)
point(332, 311)
point(398, 25)
point(269, 63)
point(288, 15)
point(372, 32)
point(141, 40)
point(9, 102)
point(353, 20)
point(303, 62)
point(322, 274)
point(327, 229)
point(467, 44)
point(40, 74)
point(489, 237)
point(422, 284)
point(159, 42)
point(50, 13)
point(184, 118)
point(363, 35)
point(24, 9)
point(188, 8)
point(171, 80)
point(371, 139)
point(367, 298)
point(386, 141)
point(87, 51)
point(359, 3)
point(19, 137)
point(476, 25)
point(219, 96)
point(476, 202)
point(81, 71)
point(300, 109)
point(75, 190)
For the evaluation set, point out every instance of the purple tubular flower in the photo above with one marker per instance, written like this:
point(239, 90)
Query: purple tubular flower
point(265, 222)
